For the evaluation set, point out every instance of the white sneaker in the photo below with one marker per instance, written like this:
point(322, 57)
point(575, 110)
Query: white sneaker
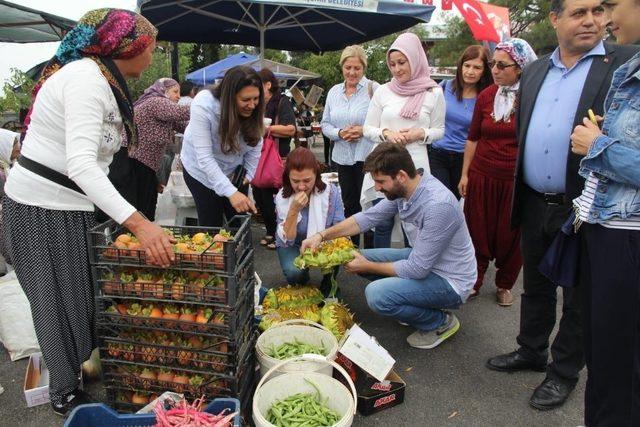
point(432, 339)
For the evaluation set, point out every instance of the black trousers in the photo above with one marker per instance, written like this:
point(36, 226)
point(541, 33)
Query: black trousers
point(540, 224)
point(265, 202)
point(350, 179)
point(447, 167)
point(610, 274)
point(212, 209)
point(328, 151)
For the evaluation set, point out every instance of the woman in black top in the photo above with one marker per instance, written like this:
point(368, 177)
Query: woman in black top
point(282, 127)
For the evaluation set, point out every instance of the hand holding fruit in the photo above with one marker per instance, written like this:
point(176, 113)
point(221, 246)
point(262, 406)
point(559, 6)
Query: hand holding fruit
point(242, 203)
point(300, 201)
point(153, 239)
point(358, 265)
point(583, 136)
point(311, 242)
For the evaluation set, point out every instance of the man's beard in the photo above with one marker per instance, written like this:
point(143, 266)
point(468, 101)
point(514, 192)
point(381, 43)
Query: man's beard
point(395, 193)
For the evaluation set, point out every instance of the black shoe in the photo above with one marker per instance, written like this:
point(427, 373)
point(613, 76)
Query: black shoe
point(512, 362)
point(551, 394)
point(73, 399)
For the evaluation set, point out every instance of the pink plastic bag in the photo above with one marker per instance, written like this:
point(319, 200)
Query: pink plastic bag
point(270, 167)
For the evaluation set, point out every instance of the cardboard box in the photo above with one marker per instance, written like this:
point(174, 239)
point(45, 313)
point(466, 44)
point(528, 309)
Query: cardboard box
point(373, 395)
point(36, 381)
point(363, 350)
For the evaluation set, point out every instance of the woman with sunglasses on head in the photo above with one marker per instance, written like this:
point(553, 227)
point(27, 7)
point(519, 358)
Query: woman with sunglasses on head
point(608, 217)
point(488, 168)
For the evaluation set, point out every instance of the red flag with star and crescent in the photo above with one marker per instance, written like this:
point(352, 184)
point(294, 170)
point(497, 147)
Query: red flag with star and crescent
point(481, 27)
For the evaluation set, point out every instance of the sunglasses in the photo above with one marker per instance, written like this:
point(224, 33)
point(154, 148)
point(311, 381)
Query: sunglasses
point(501, 65)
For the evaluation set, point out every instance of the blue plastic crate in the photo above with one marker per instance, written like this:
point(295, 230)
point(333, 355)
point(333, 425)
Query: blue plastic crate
point(100, 415)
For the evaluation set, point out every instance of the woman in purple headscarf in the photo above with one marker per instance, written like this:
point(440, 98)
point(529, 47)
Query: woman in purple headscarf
point(488, 168)
point(409, 110)
point(157, 116)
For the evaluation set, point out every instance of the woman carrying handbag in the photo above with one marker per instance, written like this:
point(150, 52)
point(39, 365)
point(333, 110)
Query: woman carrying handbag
point(277, 144)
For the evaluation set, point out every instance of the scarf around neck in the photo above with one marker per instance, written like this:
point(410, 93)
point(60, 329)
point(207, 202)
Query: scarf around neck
point(416, 88)
point(504, 104)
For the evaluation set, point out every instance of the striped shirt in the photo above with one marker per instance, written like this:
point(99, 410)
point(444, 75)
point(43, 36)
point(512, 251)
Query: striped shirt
point(584, 203)
point(341, 111)
point(442, 243)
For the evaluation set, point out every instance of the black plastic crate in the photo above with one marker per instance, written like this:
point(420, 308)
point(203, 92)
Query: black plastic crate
point(225, 321)
point(103, 250)
point(120, 385)
point(177, 285)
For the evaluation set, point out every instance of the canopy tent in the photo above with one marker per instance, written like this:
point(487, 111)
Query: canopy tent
point(210, 73)
point(296, 25)
point(19, 24)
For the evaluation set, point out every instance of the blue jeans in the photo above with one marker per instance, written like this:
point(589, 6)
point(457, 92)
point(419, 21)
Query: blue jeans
point(293, 274)
point(419, 303)
point(382, 232)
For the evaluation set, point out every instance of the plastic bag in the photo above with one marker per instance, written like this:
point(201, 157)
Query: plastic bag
point(17, 333)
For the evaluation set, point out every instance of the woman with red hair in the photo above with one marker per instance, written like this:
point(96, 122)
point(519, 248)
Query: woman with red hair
point(305, 205)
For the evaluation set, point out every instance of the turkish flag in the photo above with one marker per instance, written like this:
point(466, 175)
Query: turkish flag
point(481, 27)
point(447, 4)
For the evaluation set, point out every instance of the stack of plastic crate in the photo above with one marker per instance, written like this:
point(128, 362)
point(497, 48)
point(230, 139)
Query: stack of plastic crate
point(187, 328)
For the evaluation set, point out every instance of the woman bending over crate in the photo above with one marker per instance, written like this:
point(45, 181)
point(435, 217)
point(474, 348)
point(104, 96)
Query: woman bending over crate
point(222, 144)
point(81, 107)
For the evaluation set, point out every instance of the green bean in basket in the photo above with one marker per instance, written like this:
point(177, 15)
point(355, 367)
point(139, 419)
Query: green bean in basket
point(293, 349)
point(302, 409)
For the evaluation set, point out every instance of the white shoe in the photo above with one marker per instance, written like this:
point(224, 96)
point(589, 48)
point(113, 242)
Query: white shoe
point(431, 339)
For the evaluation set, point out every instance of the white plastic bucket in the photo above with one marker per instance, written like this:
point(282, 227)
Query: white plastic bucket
point(297, 329)
point(341, 400)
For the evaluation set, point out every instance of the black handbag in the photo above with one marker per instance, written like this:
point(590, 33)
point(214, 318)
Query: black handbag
point(237, 177)
point(560, 263)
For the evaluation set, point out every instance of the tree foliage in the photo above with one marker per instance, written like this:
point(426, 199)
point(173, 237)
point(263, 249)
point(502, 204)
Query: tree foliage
point(16, 92)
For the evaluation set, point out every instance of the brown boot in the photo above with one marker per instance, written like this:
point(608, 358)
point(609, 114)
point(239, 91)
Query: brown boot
point(504, 297)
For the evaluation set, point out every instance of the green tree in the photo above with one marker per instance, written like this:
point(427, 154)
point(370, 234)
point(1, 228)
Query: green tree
point(16, 92)
point(457, 38)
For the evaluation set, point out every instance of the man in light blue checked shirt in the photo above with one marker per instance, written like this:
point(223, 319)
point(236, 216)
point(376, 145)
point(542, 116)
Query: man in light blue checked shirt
point(418, 285)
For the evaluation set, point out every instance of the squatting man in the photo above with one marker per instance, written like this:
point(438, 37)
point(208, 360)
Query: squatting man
point(419, 285)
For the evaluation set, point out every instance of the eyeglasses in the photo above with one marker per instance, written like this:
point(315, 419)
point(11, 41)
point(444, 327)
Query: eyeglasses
point(501, 65)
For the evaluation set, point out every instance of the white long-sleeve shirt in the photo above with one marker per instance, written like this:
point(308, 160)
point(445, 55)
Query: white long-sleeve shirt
point(202, 154)
point(75, 129)
point(384, 113)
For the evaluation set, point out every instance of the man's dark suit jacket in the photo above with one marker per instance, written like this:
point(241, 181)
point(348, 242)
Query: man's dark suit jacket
point(593, 95)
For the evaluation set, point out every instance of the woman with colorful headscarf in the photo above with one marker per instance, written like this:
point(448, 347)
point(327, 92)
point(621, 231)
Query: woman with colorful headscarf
point(488, 168)
point(81, 105)
point(409, 110)
point(157, 116)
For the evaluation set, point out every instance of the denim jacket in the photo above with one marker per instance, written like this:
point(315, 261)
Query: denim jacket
point(614, 157)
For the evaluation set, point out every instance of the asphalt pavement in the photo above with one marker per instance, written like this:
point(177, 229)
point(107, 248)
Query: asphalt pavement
point(446, 386)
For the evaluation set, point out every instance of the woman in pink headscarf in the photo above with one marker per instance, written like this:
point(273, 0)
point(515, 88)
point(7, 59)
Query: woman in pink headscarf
point(409, 110)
